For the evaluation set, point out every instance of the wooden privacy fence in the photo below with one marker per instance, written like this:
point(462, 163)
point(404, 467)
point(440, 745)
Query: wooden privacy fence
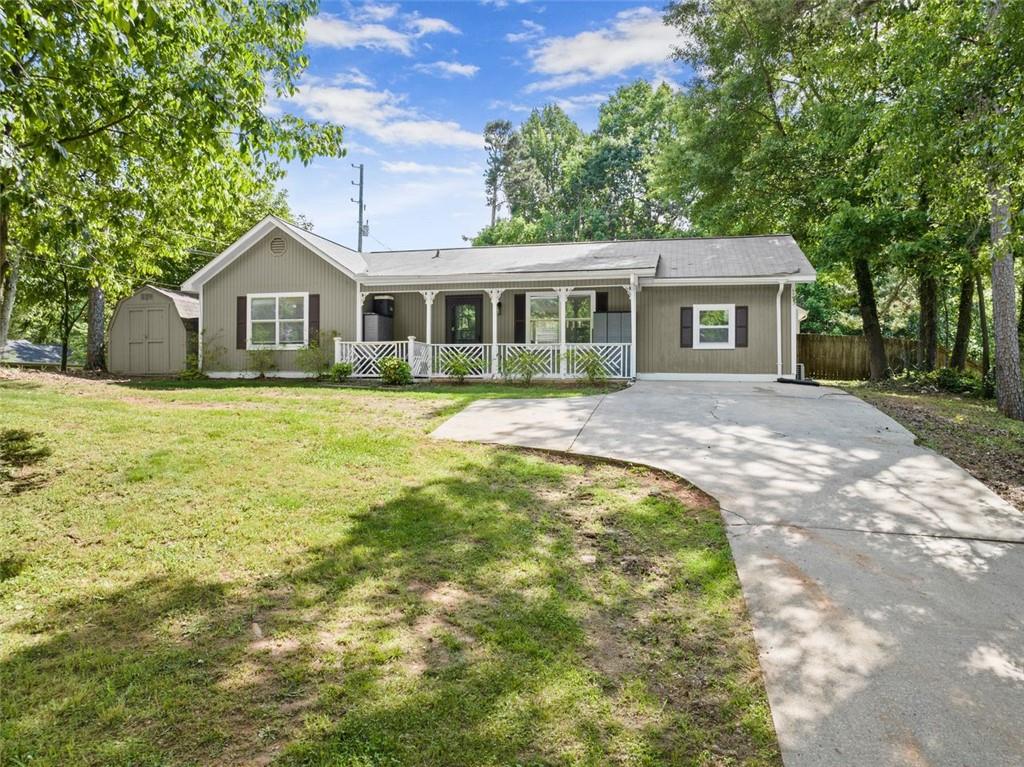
point(846, 357)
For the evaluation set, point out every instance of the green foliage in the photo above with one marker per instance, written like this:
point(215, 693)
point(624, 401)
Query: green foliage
point(458, 365)
point(561, 184)
point(591, 365)
point(945, 380)
point(315, 358)
point(340, 372)
point(394, 371)
point(261, 361)
point(137, 140)
point(524, 364)
point(214, 352)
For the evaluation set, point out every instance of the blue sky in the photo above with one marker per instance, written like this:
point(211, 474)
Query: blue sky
point(415, 83)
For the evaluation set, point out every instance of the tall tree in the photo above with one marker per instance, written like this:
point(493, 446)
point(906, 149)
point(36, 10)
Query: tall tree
point(155, 107)
point(498, 139)
point(955, 112)
point(772, 131)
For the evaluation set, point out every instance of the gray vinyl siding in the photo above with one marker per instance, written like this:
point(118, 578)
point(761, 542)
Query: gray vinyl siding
point(169, 361)
point(257, 270)
point(658, 332)
point(411, 316)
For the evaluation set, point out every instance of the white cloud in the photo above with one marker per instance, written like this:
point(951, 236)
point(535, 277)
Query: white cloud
point(426, 169)
point(331, 31)
point(428, 26)
point(508, 106)
point(531, 30)
point(637, 37)
point(573, 104)
point(381, 115)
point(448, 69)
point(377, 12)
point(503, 3)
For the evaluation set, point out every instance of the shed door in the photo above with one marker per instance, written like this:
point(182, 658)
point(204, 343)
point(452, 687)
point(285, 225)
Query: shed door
point(147, 341)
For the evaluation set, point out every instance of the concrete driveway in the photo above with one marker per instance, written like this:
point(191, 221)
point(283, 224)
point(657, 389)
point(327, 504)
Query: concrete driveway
point(886, 585)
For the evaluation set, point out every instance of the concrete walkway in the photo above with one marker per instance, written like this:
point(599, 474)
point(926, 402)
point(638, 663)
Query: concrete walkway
point(886, 585)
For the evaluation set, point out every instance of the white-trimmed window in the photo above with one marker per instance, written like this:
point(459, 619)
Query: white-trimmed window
point(277, 320)
point(542, 317)
point(714, 326)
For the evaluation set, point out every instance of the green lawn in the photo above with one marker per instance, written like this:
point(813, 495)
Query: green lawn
point(262, 573)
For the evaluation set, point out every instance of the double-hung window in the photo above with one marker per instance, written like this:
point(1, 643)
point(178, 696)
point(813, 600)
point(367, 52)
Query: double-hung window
point(278, 320)
point(542, 318)
point(714, 326)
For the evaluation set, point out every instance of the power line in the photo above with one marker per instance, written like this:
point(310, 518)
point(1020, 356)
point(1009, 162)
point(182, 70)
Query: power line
point(386, 247)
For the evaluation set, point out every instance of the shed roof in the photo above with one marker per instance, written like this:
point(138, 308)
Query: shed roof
point(186, 304)
point(28, 353)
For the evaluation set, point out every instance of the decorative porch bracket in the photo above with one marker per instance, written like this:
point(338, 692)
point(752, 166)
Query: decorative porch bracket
point(495, 294)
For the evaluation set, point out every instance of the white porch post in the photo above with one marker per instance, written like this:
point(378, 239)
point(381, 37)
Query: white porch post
point(495, 294)
point(360, 301)
point(633, 288)
point(428, 301)
point(563, 293)
point(778, 330)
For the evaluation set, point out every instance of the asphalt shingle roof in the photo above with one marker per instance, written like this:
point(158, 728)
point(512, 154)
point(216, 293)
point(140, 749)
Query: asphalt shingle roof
point(186, 303)
point(773, 255)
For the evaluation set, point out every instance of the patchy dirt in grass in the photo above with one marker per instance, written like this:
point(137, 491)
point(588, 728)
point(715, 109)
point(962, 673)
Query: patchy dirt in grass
point(970, 432)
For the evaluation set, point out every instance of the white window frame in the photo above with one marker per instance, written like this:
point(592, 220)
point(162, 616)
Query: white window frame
point(277, 321)
point(730, 310)
point(552, 294)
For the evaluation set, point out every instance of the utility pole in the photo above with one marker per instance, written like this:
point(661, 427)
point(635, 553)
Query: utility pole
point(364, 229)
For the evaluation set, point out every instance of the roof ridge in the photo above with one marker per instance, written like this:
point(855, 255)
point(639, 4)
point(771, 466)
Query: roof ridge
point(578, 242)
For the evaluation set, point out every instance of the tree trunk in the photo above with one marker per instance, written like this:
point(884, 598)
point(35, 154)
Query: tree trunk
point(986, 354)
point(927, 332)
point(965, 311)
point(10, 294)
point(877, 363)
point(1009, 387)
point(494, 210)
point(94, 352)
point(5, 265)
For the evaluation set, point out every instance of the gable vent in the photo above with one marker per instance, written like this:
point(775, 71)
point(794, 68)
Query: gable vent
point(277, 246)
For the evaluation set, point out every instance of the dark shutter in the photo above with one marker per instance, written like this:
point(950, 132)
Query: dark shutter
point(741, 326)
point(240, 322)
point(601, 301)
point(314, 318)
point(686, 327)
point(519, 324)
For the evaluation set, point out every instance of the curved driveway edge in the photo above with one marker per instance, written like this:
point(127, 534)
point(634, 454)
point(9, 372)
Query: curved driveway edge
point(885, 583)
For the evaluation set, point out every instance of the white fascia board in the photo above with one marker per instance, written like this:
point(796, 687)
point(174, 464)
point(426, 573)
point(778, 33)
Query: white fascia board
point(654, 282)
point(589, 275)
point(245, 242)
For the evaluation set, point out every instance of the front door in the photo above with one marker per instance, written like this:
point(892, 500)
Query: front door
point(464, 319)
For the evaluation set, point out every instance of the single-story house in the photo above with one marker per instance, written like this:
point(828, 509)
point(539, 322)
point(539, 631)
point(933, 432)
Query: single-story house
point(718, 308)
point(153, 331)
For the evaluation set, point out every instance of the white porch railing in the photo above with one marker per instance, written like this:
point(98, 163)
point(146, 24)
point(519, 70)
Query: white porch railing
point(431, 360)
point(478, 356)
point(365, 356)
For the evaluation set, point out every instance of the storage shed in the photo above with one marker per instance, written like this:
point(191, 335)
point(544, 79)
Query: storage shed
point(153, 331)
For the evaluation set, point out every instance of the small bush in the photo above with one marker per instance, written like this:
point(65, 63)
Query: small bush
point(315, 358)
point(261, 362)
point(458, 366)
point(524, 365)
point(591, 365)
point(395, 371)
point(340, 372)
